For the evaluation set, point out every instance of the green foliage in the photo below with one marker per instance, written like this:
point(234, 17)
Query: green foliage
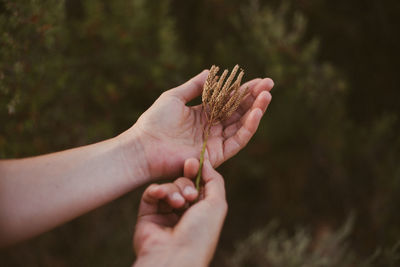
point(75, 72)
point(28, 36)
point(63, 74)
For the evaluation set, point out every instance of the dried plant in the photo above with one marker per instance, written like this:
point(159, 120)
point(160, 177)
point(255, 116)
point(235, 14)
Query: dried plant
point(219, 100)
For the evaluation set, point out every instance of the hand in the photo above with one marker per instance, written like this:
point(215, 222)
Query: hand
point(164, 237)
point(170, 131)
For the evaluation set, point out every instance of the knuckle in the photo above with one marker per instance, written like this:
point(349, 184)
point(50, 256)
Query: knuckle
point(151, 187)
point(173, 188)
point(165, 94)
point(183, 181)
point(168, 188)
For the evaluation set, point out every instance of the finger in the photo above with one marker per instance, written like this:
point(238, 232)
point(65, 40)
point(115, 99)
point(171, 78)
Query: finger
point(203, 221)
point(192, 88)
point(232, 129)
point(149, 202)
point(207, 215)
point(214, 182)
point(187, 188)
point(262, 87)
point(190, 168)
point(265, 84)
point(250, 84)
point(234, 144)
point(262, 102)
point(174, 196)
point(153, 193)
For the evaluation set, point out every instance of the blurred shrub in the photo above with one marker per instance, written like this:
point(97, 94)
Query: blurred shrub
point(274, 247)
point(66, 65)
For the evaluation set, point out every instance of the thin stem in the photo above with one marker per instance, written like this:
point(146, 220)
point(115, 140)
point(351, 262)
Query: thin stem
point(203, 150)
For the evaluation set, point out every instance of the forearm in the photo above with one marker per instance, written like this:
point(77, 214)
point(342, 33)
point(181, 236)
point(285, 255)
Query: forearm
point(39, 193)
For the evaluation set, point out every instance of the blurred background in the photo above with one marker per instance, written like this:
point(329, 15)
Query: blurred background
point(319, 184)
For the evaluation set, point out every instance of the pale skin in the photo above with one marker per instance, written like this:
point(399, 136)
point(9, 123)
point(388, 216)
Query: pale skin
point(165, 236)
point(40, 193)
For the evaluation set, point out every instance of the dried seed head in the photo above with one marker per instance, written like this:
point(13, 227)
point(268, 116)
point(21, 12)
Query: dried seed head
point(235, 104)
point(227, 85)
point(208, 85)
point(217, 89)
point(230, 104)
point(224, 95)
point(221, 99)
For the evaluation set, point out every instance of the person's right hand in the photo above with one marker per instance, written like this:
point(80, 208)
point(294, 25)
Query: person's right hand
point(170, 131)
point(165, 237)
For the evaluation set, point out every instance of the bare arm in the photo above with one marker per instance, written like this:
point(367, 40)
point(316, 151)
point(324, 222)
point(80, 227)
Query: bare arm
point(39, 193)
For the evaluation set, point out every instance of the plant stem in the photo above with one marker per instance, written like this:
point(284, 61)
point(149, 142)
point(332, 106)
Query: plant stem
point(203, 150)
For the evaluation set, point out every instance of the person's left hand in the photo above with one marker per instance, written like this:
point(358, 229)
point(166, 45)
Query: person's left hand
point(170, 131)
point(165, 237)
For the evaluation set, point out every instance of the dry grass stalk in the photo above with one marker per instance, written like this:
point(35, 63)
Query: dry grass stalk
point(219, 101)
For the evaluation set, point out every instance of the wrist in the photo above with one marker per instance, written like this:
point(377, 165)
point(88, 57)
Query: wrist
point(133, 156)
point(152, 152)
point(171, 258)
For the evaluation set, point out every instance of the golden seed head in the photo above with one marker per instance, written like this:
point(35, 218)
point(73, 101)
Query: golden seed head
point(221, 99)
point(209, 84)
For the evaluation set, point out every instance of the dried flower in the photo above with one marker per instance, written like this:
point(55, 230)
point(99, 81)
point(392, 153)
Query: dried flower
point(219, 101)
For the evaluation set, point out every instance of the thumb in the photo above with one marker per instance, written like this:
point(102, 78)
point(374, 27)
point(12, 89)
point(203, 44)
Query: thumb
point(214, 183)
point(200, 226)
point(192, 88)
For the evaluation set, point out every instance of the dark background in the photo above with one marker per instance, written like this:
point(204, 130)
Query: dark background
point(77, 72)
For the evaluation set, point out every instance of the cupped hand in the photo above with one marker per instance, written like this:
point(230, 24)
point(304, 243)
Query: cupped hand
point(171, 131)
point(166, 235)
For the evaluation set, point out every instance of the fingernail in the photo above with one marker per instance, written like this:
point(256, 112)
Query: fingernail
point(189, 191)
point(270, 81)
point(177, 197)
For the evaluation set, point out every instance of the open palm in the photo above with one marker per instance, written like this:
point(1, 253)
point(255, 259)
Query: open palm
point(173, 131)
